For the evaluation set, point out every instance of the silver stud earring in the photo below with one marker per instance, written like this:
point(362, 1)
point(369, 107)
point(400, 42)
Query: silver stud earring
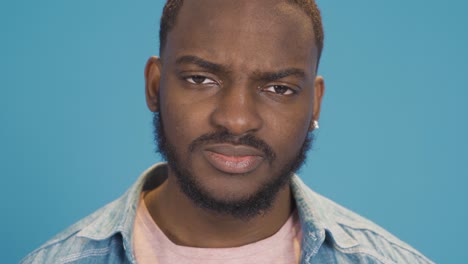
point(316, 125)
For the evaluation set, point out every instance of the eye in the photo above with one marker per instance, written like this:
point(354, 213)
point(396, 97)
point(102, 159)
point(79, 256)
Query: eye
point(280, 89)
point(198, 79)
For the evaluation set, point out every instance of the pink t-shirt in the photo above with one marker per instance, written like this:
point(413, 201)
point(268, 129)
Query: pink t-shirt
point(152, 246)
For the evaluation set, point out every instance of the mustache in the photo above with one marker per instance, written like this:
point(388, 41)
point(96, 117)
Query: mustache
point(225, 136)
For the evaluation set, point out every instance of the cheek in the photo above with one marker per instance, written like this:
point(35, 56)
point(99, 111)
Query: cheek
point(293, 134)
point(288, 130)
point(184, 120)
point(176, 126)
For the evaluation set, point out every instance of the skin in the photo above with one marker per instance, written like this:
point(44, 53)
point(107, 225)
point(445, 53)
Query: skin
point(245, 40)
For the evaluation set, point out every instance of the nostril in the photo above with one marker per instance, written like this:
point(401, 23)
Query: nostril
point(236, 118)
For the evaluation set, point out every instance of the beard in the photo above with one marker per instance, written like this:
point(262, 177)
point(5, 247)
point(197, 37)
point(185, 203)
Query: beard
point(256, 204)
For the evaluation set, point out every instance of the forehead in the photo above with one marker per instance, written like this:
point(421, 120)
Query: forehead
point(250, 34)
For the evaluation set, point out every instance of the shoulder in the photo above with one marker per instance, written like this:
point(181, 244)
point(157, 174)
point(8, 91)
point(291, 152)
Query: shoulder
point(352, 234)
point(103, 236)
point(74, 245)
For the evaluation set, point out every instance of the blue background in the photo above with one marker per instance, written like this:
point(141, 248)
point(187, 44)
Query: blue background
point(75, 132)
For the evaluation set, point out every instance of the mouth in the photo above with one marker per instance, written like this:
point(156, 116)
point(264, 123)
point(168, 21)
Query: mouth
point(233, 159)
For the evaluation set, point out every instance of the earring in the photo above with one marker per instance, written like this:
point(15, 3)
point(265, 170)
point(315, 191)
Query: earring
point(316, 124)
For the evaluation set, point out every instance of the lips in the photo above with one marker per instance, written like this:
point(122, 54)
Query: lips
point(233, 159)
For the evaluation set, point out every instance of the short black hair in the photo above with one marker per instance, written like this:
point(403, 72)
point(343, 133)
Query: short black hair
point(172, 8)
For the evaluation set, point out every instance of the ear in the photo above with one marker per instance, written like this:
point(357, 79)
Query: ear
point(319, 90)
point(152, 79)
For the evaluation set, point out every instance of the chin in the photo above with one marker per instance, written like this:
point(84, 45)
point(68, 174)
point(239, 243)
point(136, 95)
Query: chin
point(228, 187)
point(241, 196)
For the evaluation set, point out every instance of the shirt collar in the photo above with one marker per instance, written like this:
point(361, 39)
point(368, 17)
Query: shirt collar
point(119, 216)
point(316, 213)
point(318, 218)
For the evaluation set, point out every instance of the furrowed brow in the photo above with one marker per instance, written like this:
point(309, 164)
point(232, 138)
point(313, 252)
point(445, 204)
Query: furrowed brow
point(274, 76)
point(189, 59)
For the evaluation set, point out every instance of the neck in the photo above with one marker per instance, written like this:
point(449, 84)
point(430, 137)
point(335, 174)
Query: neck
point(188, 225)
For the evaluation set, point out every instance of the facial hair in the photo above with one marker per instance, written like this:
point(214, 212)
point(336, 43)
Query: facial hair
point(245, 209)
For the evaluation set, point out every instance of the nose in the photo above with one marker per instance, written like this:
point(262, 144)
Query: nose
point(237, 111)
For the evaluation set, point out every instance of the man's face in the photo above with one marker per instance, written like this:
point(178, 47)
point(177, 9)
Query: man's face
point(236, 97)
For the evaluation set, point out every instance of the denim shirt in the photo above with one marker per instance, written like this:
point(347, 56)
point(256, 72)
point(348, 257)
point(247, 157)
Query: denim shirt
point(331, 233)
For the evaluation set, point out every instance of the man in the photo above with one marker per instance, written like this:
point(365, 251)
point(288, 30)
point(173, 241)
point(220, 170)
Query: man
point(236, 96)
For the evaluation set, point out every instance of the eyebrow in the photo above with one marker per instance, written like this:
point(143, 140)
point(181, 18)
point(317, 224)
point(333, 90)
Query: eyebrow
point(262, 76)
point(189, 59)
point(274, 76)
